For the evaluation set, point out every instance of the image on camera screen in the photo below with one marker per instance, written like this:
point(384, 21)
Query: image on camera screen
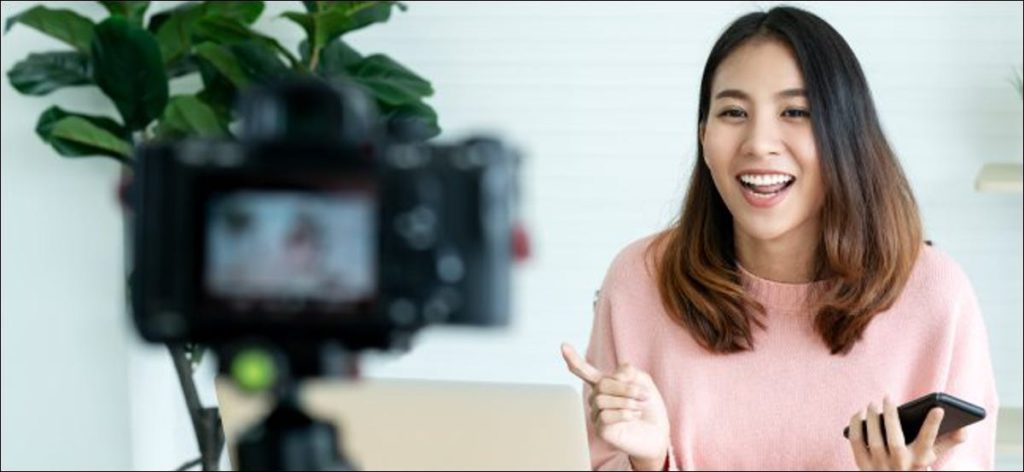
point(290, 245)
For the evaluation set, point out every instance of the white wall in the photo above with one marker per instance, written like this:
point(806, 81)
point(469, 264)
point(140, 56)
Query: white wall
point(601, 97)
point(65, 337)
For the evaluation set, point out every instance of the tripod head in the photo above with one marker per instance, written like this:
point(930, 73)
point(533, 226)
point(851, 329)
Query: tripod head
point(288, 438)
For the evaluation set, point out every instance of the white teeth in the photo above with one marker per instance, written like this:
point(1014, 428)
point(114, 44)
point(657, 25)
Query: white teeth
point(764, 196)
point(765, 179)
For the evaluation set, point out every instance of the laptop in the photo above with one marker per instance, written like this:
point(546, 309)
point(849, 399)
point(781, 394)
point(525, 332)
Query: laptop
point(436, 425)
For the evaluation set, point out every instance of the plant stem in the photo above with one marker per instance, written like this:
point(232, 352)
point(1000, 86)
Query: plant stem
point(314, 60)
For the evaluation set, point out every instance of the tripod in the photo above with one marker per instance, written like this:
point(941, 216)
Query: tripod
point(288, 439)
point(206, 421)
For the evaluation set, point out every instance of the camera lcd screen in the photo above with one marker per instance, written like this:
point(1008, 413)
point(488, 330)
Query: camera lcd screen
point(290, 246)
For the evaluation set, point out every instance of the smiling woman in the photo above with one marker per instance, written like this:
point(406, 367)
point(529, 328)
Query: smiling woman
point(793, 289)
point(759, 148)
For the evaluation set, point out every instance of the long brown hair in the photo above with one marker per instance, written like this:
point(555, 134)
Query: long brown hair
point(871, 230)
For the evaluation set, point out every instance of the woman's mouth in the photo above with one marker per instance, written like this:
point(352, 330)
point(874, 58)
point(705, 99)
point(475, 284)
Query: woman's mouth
point(764, 190)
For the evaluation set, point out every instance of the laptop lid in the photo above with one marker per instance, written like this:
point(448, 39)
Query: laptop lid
point(433, 425)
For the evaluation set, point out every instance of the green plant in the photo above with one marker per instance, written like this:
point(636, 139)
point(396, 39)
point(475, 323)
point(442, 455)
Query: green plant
point(214, 39)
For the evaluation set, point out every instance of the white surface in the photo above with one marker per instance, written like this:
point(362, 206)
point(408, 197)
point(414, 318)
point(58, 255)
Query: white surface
point(601, 97)
point(1000, 177)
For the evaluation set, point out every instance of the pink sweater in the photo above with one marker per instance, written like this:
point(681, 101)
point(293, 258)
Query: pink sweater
point(785, 404)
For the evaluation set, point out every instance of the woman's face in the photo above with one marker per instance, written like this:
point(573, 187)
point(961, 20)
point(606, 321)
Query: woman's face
point(759, 145)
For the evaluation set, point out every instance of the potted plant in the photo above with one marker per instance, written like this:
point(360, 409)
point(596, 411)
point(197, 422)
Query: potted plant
point(216, 40)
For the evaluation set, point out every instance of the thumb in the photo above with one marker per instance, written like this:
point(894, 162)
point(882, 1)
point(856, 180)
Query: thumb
point(949, 440)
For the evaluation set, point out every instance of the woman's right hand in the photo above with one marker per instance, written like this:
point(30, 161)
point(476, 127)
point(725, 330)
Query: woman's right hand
point(626, 409)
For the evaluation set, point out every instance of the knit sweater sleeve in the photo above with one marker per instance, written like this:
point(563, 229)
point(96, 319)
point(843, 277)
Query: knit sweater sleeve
point(970, 377)
point(603, 353)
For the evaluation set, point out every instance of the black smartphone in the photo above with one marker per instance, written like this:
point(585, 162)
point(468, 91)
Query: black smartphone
point(959, 413)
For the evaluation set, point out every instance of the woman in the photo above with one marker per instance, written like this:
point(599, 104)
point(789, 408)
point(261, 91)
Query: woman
point(794, 295)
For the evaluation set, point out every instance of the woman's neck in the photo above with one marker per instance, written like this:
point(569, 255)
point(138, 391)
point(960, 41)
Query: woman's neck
point(790, 258)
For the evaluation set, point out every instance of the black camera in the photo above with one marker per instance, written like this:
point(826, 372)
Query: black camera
point(318, 224)
point(317, 234)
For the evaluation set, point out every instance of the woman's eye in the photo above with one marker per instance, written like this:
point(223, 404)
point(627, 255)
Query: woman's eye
point(732, 113)
point(796, 113)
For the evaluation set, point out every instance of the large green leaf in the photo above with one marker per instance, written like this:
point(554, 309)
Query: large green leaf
point(224, 30)
point(129, 69)
point(260, 62)
point(317, 6)
point(364, 14)
point(178, 29)
point(42, 73)
point(44, 127)
point(65, 25)
point(218, 91)
point(174, 38)
point(102, 136)
point(390, 82)
point(189, 9)
point(186, 115)
point(132, 11)
point(220, 103)
point(413, 121)
point(225, 69)
point(225, 62)
point(83, 132)
point(245, 11)
point(335, 58)
point(325, 21)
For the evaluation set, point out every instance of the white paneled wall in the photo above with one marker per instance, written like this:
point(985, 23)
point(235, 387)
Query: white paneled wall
point(601, 98)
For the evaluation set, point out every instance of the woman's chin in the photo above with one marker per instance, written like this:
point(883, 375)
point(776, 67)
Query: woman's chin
point(761, 229)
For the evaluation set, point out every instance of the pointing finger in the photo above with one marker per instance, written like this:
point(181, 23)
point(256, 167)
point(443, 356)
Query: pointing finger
point(578, 366)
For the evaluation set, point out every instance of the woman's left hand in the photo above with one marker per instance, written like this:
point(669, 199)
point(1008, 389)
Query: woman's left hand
point(892, 453)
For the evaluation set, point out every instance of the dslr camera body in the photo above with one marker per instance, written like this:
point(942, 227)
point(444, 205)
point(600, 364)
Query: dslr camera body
point(318, 225)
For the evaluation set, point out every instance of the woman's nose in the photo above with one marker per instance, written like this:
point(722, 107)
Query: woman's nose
point(763, 138)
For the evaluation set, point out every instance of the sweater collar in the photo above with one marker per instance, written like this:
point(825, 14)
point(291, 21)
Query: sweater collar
point(779, 294)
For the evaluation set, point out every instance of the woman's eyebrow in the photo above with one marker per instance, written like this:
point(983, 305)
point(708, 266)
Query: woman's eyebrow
point(793, 92)
point(741, 95)
point(732, 93)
